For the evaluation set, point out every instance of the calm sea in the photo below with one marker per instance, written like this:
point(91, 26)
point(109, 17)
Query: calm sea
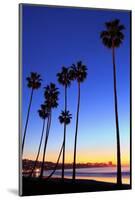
point(107, 174)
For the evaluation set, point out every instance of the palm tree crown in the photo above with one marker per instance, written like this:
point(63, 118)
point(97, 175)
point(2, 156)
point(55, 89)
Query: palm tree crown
point(78, 72)
point(64, 77)
point(34, 81)
point(44, 111)
point(65, 117)
point(113, 35)
point(51, 95)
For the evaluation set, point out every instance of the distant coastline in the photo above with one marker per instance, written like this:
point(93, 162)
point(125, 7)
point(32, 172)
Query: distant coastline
point(28, 165)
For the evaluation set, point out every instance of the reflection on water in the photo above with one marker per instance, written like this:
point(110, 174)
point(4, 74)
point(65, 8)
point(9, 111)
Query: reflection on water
point(125, 180)
point(107, 174)
point(36, 172)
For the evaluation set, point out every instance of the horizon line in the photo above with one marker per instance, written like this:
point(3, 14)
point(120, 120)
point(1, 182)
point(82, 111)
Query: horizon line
point(114, 164)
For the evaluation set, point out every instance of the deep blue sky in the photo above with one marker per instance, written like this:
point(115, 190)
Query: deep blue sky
point(55, 37)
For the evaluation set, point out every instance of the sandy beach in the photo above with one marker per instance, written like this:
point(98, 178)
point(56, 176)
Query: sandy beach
point(34, 186)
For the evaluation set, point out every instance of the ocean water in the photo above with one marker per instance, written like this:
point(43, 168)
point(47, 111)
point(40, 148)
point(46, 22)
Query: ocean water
point(107, 174)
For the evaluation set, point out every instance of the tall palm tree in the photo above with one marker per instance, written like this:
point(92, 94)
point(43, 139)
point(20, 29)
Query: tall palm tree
point(112, 38)
point(51, 100)
point(43, 114)
point(78, 72)
point(64, 80)
point(34, 82)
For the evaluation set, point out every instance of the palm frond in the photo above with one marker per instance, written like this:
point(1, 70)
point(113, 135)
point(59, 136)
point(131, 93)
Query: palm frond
point(113, 34)
point(51, 94)
point(34, 81)
point(121, 27)
point(104, 34)
point(64, 77)
point(65, 117)
point(78, 72)
point(43, 111)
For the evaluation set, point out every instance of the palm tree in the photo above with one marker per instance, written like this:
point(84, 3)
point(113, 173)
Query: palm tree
point(51, 100)
point(112, 38)
point(78, 72)
point(34, 82)
point(55, 167)
point(64, 79)
point(65, 119)
point(43, 114)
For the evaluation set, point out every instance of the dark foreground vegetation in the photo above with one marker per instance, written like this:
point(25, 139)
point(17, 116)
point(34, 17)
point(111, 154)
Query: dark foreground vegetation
point(35, 186)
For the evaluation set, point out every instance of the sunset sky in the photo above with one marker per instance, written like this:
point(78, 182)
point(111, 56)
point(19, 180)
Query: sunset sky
point(55, 37)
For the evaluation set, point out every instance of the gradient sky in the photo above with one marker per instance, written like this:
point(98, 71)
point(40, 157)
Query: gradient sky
point(55, 37)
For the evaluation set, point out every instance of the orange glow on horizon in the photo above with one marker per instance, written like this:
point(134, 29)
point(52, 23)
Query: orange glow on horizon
point(82, 157)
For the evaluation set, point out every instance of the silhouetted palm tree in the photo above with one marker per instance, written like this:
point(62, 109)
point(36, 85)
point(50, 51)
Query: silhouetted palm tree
point(63, 118)
point(78, 72)
point(64, 79)
point(43, 113)
point(51, 100)
point(55, 167)
point(34, 82)
point(112, 38)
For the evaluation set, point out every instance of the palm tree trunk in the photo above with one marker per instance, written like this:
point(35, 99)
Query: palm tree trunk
point(56, 162)
point(77, 120)
point(119, 178)
point(27, 119)
point(38, 148)
point(45, 145)
point(64, 139)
